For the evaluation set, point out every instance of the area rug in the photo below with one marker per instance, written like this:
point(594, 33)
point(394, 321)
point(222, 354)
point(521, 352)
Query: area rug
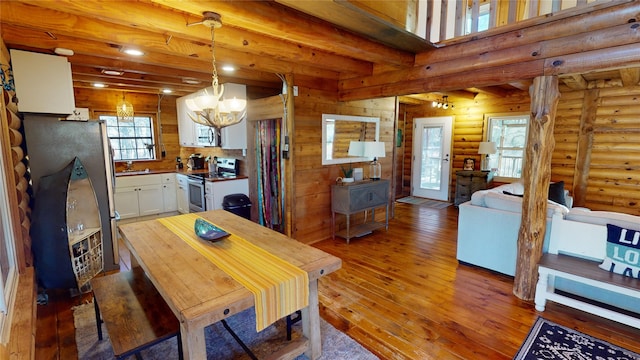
point(414, 200)
point(547, 340)
point(220, 344)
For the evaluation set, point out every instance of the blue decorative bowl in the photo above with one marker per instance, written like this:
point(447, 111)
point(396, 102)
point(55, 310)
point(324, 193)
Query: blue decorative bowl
point(207, 231)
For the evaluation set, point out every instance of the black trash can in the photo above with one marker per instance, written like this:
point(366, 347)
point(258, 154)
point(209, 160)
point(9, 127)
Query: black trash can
point(238, 204)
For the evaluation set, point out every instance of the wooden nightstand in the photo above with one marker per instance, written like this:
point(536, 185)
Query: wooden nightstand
point(468, 182)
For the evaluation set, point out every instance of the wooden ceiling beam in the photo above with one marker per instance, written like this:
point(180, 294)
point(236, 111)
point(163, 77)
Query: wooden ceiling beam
point(81, 25)
point(492, 90)
point(630, 76)
point(271, 19)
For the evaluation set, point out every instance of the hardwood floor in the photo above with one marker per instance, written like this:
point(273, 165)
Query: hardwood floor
point(402, 295)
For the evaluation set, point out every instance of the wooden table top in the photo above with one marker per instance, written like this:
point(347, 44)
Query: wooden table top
point(198, 292)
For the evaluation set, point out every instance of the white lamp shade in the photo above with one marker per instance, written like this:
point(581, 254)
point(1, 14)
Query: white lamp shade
point(487, 147)
point(374, 149)
point(356, 148)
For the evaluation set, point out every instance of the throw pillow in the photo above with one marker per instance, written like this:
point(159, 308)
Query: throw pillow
point(623, 251)
point(556, 192)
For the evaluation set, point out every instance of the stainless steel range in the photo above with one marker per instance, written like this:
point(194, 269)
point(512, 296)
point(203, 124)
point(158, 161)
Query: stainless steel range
point(226, 168)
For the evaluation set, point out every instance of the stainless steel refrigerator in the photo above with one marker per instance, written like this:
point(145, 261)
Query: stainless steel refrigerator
point(52, 144)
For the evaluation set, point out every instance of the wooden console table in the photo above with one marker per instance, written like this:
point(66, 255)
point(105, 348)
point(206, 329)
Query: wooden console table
point(351, 198)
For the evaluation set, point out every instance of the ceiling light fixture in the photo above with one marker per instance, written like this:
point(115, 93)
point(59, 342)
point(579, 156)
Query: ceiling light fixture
point(190, 81)
point(99, 85)
point(132, 52)
point(228, 68)
point(112, 72)
point(209, 106)
point(124, 110)
point(443, 103)
point(167, 91)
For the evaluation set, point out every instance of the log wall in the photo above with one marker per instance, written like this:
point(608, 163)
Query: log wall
point(610, 180)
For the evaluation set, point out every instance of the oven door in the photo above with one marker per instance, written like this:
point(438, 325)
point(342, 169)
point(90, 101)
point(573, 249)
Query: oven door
point(196, 195)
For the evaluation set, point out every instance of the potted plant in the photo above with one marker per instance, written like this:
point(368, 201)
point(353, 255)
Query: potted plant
point(348, 173)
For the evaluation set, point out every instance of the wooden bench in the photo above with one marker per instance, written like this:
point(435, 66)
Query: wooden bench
point(134, 313)
point(575, 251)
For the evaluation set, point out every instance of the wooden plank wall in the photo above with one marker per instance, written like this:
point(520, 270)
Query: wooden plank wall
point(613, 173)
point(312, 180)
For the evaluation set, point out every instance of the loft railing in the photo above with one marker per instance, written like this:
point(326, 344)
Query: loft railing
point(455, 18)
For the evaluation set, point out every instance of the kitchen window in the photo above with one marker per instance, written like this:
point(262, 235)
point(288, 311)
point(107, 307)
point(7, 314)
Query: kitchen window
point(509, 132)
point(131, 140)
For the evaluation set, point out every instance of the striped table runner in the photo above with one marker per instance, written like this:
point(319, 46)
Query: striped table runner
point(279, 288)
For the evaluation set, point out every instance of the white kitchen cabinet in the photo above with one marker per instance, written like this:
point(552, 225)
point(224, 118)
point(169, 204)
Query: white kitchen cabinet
point(182, 193)
point(139, 195)
point(215, 191)
point(192, 134)
point(169, 196)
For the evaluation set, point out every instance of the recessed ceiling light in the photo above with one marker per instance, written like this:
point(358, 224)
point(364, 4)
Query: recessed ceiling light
point(167, 91)
point(112, 72)
point(228, 68)
point(190, 81)
point(99, 85)
point(132, 52)
point(63, 51)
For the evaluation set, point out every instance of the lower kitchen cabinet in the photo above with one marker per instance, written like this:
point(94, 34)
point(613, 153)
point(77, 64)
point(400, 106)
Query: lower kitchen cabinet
point(182, 193)
point(169, 195)
point(215, 191)
point(139, 195)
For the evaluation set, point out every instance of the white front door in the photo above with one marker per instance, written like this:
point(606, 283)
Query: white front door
point(431, 161)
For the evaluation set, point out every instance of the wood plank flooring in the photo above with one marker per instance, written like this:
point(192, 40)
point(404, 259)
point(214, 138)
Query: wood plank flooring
point(402, 295)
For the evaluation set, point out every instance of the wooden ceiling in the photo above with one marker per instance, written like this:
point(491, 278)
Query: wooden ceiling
point(260, 38)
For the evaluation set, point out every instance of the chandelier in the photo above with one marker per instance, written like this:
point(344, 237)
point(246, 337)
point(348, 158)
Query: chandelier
point(209, 106)
point(444, 103)
point(124, 110)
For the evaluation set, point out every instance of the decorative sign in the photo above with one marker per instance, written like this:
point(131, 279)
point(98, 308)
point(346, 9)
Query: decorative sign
point(79, 114)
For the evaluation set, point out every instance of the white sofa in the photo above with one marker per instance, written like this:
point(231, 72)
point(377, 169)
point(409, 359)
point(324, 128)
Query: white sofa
point(488, 227)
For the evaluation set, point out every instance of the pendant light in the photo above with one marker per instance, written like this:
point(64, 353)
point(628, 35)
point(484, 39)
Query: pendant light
point(209, 107)
point(124, 110)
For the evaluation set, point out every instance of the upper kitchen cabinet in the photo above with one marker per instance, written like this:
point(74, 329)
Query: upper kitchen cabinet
point(192, 134)
point(43, 83)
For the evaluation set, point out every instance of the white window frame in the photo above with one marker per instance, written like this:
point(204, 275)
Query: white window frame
point(497, 158)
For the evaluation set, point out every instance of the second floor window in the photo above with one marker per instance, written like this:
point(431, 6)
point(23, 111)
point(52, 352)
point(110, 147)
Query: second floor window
point(131, 140)
point(510, 135)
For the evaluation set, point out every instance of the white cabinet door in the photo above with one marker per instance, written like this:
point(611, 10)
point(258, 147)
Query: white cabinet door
point(186, 126)
point(150, 199)
point(126, 201)
point(169, 197)
point(182, 194)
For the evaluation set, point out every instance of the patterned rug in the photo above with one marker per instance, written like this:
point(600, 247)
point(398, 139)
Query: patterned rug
point(414, 200)
point(547, 340)
point(220, 344)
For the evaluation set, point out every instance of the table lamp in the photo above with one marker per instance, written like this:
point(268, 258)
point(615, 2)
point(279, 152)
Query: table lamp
point(487, 148)
point(375, 150)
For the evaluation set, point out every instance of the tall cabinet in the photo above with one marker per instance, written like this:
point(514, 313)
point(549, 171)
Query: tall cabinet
point(359, 197)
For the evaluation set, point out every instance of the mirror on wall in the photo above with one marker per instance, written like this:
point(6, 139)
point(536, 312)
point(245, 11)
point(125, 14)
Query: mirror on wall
point(339, 130)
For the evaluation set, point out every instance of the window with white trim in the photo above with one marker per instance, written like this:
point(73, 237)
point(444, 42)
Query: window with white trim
point(509, 132)
point(131, 140)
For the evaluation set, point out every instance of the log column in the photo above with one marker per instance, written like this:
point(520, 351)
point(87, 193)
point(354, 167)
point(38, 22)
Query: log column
point(536, 175)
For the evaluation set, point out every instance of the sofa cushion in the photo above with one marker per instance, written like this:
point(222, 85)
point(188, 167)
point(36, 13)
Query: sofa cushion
point(501, 201)
point(623, 251)
point(604, 217)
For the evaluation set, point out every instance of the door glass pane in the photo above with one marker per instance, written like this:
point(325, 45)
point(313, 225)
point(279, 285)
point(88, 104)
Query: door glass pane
point(431, 157)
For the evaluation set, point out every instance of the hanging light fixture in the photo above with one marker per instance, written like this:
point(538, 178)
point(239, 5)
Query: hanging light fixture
point(443, 103)
point(209, 106)
point(124, 110)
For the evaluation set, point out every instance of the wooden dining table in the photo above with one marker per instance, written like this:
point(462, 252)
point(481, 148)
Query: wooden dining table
point(200, 294)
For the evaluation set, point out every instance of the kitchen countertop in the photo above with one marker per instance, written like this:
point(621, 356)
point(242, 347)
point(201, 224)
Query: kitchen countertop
point(181, 172)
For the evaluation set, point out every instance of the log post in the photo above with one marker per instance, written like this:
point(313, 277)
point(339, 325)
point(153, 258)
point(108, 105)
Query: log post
point(585, 142)
point(536, 175)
